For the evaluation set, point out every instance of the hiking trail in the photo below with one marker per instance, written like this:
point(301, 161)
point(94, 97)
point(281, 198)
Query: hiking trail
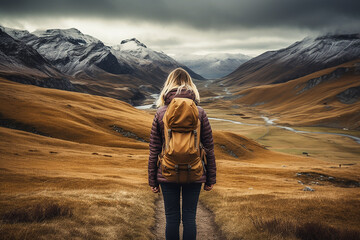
point(206, 228)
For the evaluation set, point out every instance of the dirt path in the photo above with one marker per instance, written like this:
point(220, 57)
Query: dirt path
point(206, 228)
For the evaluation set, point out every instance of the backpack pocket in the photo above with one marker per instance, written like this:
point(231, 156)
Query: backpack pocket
point(182, 173)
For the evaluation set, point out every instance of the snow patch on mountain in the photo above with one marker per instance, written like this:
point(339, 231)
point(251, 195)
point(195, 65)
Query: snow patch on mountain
point(323, 49)
point(15, 33)
point(135, 51)
point(72, 35)
point(73, 52)
point(299, 59)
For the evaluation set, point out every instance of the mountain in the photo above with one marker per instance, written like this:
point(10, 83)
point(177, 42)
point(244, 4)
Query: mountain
point(297, 60)
point(21, 63)
point(138, 54)
point(214, 65)
point(73, 52)
point(329, 97)
point(130, 71)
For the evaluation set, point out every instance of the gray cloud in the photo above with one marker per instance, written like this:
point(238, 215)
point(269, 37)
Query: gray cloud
point(319, 15)
point(189, 26)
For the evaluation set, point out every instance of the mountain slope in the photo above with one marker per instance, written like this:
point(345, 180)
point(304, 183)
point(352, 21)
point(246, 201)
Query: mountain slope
point(299, 59)
point(136, 53)
point(330, 97)
point(73, 116)
point(23, 64)
point(73, 52)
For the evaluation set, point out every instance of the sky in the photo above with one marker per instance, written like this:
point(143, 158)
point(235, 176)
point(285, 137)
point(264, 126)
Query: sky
point(183, 27)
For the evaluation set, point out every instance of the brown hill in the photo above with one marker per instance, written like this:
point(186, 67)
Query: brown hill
point(74, 165)
point(72, 116)
point(90, 119)
point(329, 97)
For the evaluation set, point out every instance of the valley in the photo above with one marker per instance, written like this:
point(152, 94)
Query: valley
point(75, 127)
point(96, 177)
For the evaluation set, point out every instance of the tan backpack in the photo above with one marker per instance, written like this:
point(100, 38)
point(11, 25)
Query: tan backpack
point(182, 158)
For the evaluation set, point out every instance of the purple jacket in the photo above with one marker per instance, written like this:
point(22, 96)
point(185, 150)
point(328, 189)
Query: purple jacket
point(157, 139)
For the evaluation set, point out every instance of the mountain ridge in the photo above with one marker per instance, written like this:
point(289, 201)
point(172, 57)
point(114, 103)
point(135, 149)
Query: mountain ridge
point(298, 59)
point(20, 62)
point(98, 69)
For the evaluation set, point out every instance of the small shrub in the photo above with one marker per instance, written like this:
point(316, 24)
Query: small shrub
point(37, 213)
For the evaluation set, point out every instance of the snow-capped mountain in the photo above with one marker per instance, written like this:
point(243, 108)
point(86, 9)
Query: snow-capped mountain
point(20, 62)
point(73, 52)
point(71, 35)
point(15, 33)
point(214, 65)
point(299, 59)
point(138, 54)
point(130, 71)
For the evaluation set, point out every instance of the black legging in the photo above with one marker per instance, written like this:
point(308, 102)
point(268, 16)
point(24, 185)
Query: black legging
point(190, 197)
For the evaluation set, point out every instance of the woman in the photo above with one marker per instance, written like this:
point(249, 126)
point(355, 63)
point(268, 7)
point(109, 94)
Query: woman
point(180, 84)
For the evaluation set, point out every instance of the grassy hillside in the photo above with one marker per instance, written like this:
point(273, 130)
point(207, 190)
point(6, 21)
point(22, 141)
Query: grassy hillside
point(317, 105)
point(87, 180)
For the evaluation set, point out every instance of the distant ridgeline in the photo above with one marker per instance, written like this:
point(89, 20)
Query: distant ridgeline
point(130, 71)
point(70, 60)
point(297, 60)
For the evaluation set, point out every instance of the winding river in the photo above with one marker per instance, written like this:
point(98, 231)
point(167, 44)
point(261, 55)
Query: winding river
point(269, 121)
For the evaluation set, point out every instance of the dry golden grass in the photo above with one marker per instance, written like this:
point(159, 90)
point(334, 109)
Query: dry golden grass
point(94, 196)
point(256, 192)
point(267, 188)
point(259, 197)
point(72, 116)
point(88, 181)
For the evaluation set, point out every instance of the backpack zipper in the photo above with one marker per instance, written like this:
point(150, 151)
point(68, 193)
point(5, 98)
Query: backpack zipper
point(195, 133)
point(168, 141)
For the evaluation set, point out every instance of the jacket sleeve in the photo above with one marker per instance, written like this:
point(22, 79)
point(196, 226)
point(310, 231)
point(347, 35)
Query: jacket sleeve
point(208, 143)
point(155, 147)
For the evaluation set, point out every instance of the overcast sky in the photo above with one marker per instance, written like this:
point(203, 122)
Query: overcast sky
point(179, 27)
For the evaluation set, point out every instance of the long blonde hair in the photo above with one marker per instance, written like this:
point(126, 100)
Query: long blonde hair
point(180, 79)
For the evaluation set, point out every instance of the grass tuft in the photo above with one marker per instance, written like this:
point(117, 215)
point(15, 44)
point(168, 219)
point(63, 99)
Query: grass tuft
point(37, 213)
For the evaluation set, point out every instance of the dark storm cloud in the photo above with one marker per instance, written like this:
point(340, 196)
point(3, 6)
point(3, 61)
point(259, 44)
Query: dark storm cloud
point(208, 14)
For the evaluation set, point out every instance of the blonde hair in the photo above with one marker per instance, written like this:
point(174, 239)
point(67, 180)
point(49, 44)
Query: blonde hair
point(180, 79)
